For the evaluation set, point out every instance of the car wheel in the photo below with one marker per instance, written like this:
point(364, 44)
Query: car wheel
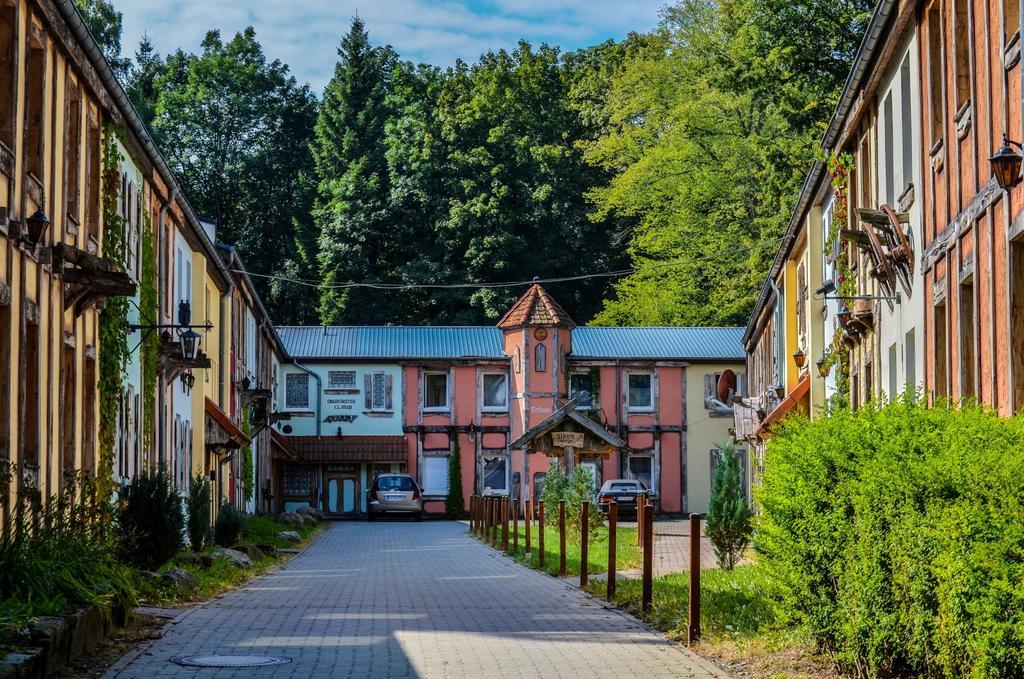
point(369, 516)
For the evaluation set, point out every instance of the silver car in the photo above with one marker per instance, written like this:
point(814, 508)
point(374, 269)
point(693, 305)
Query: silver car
point(394, 493)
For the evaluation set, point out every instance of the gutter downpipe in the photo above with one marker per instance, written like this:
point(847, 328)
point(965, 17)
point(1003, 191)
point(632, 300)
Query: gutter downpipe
point(161, 422)
point(319, 391)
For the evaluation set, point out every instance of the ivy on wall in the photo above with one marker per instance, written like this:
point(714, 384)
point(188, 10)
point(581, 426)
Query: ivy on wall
point(837, 355)
point(148, 298)
point(247, 458)
point(113, 340)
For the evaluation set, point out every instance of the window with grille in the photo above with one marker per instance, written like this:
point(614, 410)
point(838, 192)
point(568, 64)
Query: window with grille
point(341, 379)
point(296, 387)
point(297, 479)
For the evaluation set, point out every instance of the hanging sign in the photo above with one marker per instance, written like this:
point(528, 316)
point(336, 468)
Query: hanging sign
point(567, 439)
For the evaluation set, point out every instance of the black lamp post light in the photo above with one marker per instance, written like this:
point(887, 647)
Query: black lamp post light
point(1006, 164)
point(188, 340)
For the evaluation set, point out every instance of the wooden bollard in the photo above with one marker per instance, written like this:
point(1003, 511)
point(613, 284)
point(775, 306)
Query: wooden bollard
point(562, 569)
point(648, 531)
point(493, 522)
point(613, 517)
point(529, 519)
point(515, 527)
point(693, 614)
point(496, 539)
point(584, 541)
point(540, 532)
point(641, 502)
point(504, 524)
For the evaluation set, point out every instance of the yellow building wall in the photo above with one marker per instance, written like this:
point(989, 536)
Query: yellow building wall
point(703, 433)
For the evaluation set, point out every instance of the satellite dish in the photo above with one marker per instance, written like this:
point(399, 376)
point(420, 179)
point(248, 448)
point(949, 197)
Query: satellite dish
point(726, 386)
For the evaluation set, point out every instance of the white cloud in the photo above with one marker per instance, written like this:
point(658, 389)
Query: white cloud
point(305, 33)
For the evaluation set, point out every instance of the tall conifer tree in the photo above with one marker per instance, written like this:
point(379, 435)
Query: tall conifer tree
point(351, 210)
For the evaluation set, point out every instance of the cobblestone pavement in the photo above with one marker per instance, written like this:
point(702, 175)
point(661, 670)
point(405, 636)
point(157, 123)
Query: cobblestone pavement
point(390, 600)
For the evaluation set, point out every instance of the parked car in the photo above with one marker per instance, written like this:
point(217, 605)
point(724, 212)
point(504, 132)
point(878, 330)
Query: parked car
point(394, 493)
point(623, 491)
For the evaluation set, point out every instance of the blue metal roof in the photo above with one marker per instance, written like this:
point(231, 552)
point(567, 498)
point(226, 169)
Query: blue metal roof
point(392, 341)
point(409, 342)
point(693, 344)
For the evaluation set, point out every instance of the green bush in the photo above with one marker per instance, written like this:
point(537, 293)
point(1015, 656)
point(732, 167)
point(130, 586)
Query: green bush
point(574, 489)
point(199, 532)
point(229, 525)
point(897, 535)
point(151, 520)
point(62, 554)
point(728, 521)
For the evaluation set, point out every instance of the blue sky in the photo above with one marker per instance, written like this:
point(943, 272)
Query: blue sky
point(305, 33)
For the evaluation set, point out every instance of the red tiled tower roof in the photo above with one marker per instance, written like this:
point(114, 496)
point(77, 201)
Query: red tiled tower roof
point(535, 307)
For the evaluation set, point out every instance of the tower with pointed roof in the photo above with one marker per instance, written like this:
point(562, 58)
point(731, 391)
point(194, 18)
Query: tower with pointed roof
point(538, 336)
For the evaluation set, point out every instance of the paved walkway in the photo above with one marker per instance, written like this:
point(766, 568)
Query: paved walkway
point(403, 599)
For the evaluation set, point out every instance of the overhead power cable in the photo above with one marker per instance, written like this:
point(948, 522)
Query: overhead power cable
point(509, 284)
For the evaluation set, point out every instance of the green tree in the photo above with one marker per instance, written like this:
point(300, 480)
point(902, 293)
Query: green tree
point(455, 504)
point(356, 239)
point(712, 121)
point(729, 517)
point(106, 25)
point(143, 78)
point(574, 488)
point(235, 128)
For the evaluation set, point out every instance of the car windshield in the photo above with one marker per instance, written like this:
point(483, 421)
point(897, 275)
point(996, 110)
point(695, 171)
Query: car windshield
point(395, 483)
point(624, 486)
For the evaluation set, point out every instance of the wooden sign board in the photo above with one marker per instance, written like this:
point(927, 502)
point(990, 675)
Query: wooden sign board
point(567, 439)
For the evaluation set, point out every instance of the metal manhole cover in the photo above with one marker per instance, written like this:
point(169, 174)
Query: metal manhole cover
point(230, 660)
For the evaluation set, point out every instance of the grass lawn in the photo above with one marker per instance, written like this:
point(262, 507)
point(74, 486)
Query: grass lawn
point(222, 576)
point(627, 553)
point(742, 629)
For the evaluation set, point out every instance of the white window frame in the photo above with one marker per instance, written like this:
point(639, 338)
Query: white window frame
point(508, 481)
point(483, 392)
point(649, 408)
point(288, 406)
point(589, 376)
point(447, 391)
point(330, 373)
point(435, 492)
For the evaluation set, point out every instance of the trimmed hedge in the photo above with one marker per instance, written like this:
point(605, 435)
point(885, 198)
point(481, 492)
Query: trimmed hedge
point(897, 533)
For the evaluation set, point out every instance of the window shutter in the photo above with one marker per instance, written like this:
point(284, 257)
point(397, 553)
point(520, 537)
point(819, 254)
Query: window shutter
point(387, 392)
point(709, 390)
point(368, 391)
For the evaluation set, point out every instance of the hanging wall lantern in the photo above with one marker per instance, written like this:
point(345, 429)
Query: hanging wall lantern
point(1006, 164)
point(800, 358)
point(35, 227)
point(190, 340)
point(823, 367)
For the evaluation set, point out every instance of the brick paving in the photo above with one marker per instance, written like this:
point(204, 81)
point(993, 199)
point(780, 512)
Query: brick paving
point(672, 549)
point(403, 599)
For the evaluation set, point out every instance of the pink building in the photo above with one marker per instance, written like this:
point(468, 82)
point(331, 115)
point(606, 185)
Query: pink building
point(366, 400)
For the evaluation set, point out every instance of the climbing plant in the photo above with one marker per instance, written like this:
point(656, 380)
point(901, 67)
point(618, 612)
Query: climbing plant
point(148, 297)
point(113, 340)
point(837, 355)
point(247, 458)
